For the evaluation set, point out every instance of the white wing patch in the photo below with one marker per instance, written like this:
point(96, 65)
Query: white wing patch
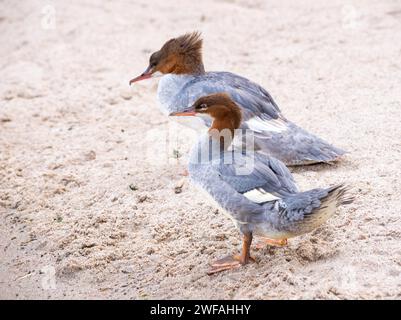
point(259, 125)
point(260, 196)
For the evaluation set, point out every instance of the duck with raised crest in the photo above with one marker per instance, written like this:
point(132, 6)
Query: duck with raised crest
point(184, 80)
point(257, 192)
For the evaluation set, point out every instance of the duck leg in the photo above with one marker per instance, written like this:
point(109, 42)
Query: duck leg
point(272, 242)
point(235, 261)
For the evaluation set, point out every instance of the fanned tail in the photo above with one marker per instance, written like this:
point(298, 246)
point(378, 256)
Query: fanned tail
point(305, 211)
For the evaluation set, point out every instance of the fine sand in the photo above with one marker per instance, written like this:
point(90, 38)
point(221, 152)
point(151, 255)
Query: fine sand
point(88, 207)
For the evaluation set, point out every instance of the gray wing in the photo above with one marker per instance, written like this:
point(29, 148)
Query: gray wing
point(255, 172)
point(239, 206)
point(273, 133)
point(254, 100)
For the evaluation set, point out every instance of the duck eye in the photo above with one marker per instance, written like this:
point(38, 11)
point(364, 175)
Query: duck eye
point(202, 106)
point(153, 60)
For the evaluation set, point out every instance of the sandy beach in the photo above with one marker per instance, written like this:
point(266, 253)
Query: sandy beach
point(88, 205)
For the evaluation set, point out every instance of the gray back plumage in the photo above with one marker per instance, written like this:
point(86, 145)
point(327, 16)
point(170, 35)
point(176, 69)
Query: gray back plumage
point(290, 144)
point(253, 98)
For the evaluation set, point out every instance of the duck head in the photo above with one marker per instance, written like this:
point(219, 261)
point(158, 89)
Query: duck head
point(182, 55)
point(223, 111)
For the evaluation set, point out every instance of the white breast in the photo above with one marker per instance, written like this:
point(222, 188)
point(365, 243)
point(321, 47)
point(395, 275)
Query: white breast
point(169, 87)
point(168, 90)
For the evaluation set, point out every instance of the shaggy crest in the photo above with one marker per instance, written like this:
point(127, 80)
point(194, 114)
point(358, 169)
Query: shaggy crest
point(189, 43)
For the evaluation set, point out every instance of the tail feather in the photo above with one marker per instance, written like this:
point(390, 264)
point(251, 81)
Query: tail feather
point(305, 211)
point(343, 196)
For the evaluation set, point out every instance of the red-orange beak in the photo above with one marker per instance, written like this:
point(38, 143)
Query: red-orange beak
point(145, 75)
point(187, 113)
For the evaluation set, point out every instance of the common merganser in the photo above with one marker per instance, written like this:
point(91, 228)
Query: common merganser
point(247, 196)
point(184, 80)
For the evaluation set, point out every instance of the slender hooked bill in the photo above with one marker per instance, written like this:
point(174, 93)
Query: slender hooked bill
point(145, 75)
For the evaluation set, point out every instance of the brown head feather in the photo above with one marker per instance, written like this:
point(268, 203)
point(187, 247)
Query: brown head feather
point(190, 43)
point(225, 113)
point(182, 55)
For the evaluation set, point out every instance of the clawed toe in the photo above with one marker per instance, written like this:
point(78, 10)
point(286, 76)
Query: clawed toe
point(235, 261)
point(227, 263)
point(271, 242)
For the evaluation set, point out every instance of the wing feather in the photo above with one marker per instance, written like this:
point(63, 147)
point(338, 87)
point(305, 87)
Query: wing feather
point(269, 179)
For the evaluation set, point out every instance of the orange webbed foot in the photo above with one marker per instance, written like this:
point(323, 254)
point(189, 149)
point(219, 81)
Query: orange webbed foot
point(232, 262)
point(228, 263)
point(271, 242)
